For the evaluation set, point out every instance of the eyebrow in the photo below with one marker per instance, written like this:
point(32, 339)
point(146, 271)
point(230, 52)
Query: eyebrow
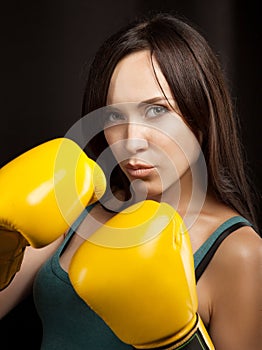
point(149, 101)
point(154, 100)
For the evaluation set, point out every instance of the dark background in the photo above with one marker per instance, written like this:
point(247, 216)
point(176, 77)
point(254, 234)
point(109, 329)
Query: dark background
point(46, 47)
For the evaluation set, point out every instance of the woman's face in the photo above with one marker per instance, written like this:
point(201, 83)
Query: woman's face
point(147, 136)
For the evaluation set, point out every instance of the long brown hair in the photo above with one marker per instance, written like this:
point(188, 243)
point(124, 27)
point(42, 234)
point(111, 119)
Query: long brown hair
point(196, 80)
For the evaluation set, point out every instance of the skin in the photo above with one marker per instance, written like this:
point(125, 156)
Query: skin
point(229, 299)
point(229, 291)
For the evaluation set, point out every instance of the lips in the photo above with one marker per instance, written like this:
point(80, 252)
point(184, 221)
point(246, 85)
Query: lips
point(138, 170)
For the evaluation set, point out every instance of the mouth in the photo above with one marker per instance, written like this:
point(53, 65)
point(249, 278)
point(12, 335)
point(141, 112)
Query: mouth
point(139, 170)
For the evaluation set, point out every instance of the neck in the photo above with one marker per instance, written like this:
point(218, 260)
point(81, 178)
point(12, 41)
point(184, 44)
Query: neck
point(187, 196)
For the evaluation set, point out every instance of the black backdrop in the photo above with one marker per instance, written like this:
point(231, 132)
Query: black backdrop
point(46, 47)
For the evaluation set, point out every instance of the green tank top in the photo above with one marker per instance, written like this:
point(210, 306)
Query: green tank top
point(68, 323)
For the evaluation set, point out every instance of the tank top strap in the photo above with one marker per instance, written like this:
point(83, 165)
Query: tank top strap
point(204, 254)
point(73, 228)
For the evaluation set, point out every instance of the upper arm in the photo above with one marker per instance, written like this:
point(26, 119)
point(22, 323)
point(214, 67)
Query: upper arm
point(236, 319)
point(22, 283)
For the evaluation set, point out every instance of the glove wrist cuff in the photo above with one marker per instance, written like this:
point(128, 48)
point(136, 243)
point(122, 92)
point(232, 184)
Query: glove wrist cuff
point(193, 337)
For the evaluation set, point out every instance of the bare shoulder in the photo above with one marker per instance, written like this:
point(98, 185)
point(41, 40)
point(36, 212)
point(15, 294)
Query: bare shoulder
point(239, 255)
point(235, 280)
point(242, 245)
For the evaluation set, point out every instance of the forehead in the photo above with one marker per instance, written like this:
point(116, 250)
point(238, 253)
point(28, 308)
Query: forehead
point(135, 79)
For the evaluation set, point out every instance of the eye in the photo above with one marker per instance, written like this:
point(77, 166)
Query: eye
point(155, 111)
point(112, 117)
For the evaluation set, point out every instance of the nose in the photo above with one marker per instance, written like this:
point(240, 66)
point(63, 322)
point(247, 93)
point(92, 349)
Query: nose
point(136, 138)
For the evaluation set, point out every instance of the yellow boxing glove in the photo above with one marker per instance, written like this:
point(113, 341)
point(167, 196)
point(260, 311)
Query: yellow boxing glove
point(137, 273)
point(43, 191)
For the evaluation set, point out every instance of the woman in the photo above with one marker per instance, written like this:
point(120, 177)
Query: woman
point(160, 94)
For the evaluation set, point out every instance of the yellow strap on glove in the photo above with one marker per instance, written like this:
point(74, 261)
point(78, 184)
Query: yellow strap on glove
point(137, 273)
point(43, 191)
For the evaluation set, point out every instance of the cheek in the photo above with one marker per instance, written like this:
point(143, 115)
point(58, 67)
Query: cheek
point(182, 145)
point(172, 159)
point(109, 136)
point(114, 137)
